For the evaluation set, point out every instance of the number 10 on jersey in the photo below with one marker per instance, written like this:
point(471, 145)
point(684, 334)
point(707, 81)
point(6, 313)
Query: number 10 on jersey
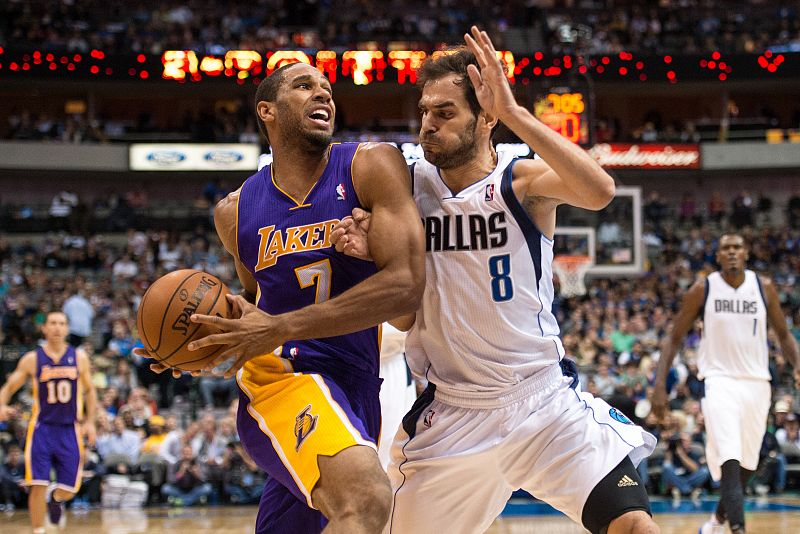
point(500, 271)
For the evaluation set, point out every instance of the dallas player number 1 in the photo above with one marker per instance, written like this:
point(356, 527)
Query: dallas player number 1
point(500, 269)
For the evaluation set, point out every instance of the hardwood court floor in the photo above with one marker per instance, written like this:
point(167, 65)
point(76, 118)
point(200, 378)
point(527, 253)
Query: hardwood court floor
point(773, 516)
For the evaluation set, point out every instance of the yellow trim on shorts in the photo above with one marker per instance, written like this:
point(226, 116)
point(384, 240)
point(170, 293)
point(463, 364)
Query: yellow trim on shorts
point(28, 446)
point(278, 405)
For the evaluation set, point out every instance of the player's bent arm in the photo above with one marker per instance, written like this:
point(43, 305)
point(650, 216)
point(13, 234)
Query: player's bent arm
point(395, 240)
point(404, 322)
point(85, 373)
point(225, 215)
point(576, 177)
point(565, 173)
point(776, 320)
point(690, 308)
point(25, 368)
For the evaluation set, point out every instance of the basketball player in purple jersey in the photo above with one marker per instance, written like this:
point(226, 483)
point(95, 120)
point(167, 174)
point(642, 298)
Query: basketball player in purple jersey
point(305, 346)
point(61, 378)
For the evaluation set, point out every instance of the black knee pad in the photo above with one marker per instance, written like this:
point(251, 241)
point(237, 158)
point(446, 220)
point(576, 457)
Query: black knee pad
point(619, 492)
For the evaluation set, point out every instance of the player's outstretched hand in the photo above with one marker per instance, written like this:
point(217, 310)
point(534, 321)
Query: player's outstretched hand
point(252, 334)
point(490, 82)
point(350, 235)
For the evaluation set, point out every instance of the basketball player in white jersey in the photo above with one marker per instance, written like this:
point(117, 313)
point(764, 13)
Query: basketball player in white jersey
point(499, 412)
point(735, 305)
point(397, 391)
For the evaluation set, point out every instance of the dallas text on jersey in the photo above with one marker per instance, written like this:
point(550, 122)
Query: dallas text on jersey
point(735, 306)
point(465, 232)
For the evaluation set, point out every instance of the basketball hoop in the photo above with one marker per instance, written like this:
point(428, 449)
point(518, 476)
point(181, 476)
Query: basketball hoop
point(571, 270)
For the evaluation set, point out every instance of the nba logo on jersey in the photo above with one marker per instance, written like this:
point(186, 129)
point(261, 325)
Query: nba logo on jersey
point(428, 421)
point(341, 194)
point(489, 193)
point(293, 352)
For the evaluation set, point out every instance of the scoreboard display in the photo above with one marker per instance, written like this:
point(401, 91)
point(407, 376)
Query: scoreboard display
point(567, 110)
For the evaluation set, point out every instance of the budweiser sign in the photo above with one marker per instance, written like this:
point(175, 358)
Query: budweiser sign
point(624, 156)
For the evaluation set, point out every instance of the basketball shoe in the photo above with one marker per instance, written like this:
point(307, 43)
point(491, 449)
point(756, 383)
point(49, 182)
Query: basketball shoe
point(55, 509)
point(712, 526)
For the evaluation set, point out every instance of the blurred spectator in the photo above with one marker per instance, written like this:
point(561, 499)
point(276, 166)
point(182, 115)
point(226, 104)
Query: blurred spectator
point(243, 480)
point(118, 447)
point(187, 484)
point(152, 465)
point(789, 436)
point(61, 209)
point(771, 473)
point(123, 380)
point(139, 407)
point(170, 449)
point(124, 268)
point(622, 339)
point(80, 314)
point(742, 211)
point(12, 480)
point(684, 468)
point(217, 385)
point(207, 445)
point(121, 343)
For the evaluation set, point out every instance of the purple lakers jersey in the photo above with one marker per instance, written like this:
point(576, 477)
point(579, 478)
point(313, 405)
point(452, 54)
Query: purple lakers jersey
point(58, 393)
point(286, 244)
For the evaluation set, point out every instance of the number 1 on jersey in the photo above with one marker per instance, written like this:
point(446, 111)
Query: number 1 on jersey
point(318, 273)
point(500, 270)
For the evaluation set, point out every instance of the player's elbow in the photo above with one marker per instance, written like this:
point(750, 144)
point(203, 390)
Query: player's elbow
point(408, 290)
point(603, 193)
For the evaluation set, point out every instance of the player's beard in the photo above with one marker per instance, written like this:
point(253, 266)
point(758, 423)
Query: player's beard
point(457, 156)
point(293, 131)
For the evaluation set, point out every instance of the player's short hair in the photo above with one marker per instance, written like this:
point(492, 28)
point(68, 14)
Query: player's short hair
point(51, 312)
point(454, 61)
point(268, 92)
point(734, 234)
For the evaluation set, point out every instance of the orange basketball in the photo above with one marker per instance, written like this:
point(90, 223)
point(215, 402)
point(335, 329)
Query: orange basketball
point(163, 318)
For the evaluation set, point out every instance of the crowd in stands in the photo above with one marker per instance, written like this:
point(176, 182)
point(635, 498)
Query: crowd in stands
point(583, 26)
point(177, 438)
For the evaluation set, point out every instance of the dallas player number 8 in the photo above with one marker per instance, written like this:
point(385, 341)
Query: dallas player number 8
point(59, 391)
point(500, 270)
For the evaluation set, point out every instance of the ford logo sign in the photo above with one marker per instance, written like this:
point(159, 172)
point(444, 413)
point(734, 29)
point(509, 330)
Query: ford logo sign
point(223, 157)
point(165, 158)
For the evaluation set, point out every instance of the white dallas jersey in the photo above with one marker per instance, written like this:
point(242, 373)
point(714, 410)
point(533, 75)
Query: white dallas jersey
point(734, 341)
point(485, 323)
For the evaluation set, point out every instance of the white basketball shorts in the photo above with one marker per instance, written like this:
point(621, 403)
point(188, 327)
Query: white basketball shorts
point(735, 411)
point(454, 467)
point(397, 396)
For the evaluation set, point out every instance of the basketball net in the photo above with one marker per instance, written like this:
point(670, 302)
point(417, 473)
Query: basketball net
point(571, 271)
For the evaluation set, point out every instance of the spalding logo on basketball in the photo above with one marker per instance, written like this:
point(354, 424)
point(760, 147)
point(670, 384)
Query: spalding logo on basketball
point(164, 318)
point(619, 416)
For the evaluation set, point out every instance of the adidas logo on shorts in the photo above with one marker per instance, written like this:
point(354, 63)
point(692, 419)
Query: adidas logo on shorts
point(626, 481)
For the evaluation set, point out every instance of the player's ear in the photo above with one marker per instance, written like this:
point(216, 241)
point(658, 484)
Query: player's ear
point(266, 111)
